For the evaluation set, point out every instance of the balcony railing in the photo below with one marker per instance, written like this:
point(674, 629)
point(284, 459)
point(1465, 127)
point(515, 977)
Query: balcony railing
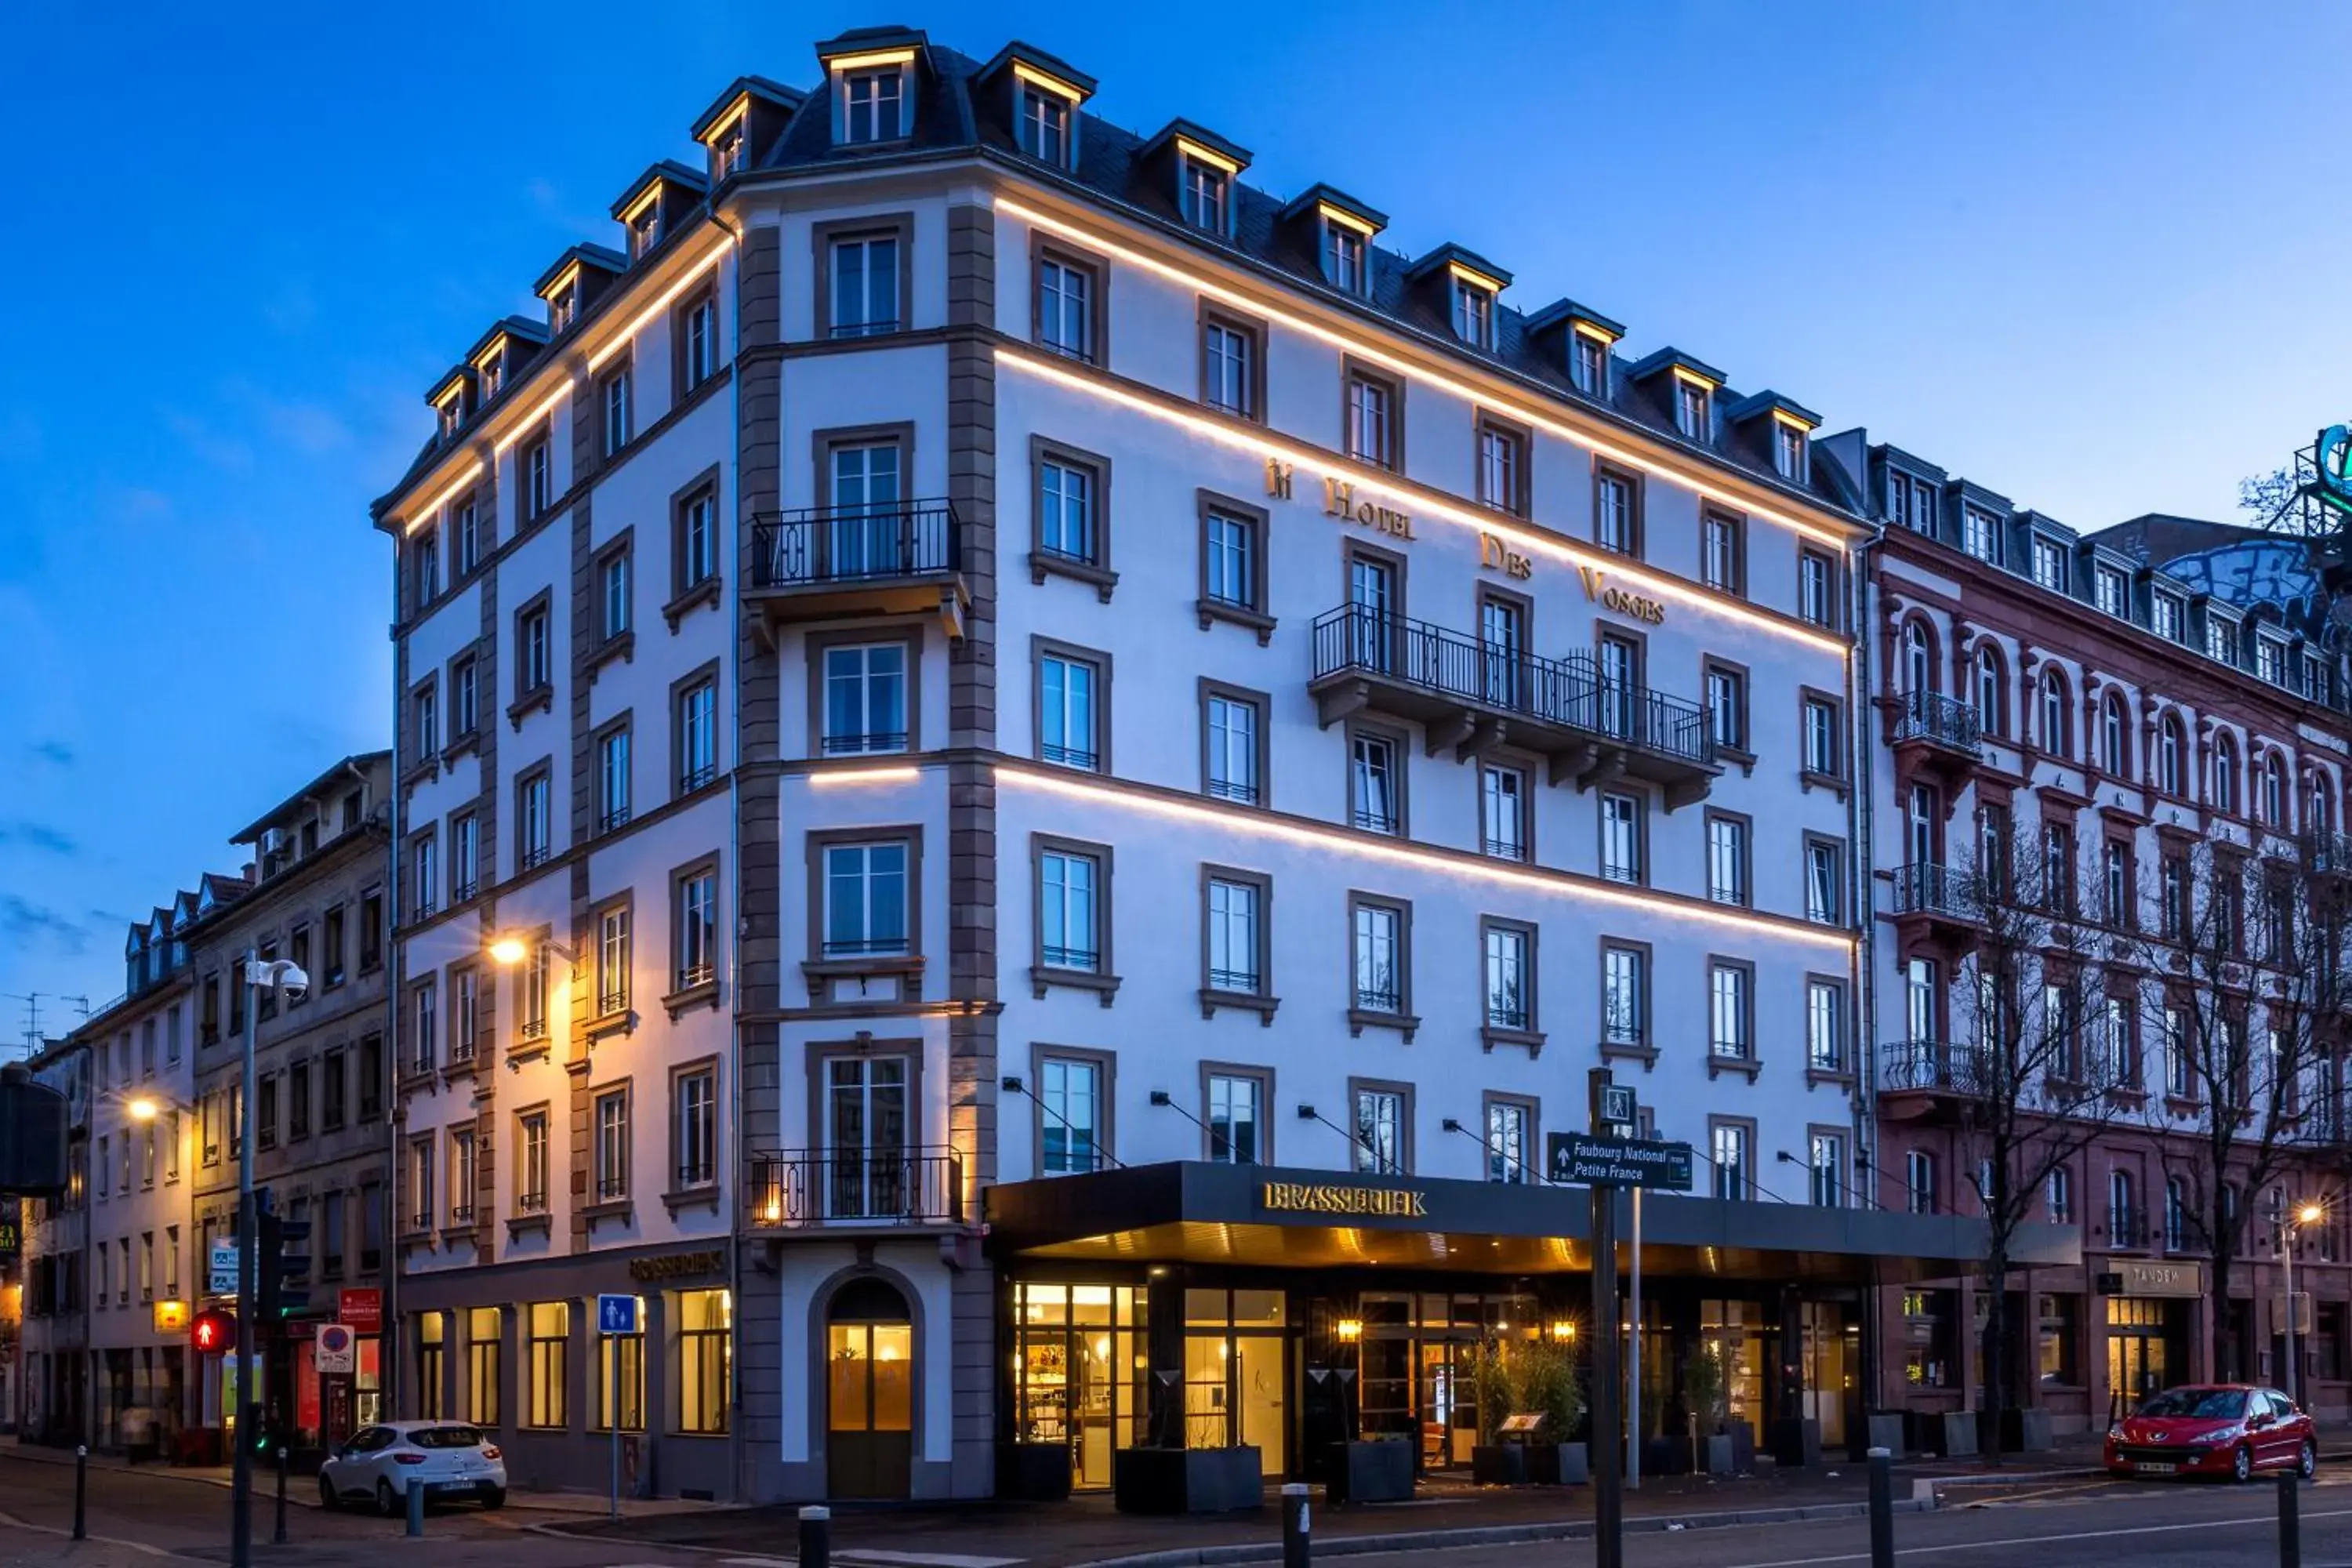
point(1940, 1066)
point(856, 1186)
point(2330, 852)
point(1944, 721)
point(1568, 693)
point(2127, 1229)
point(1927, 889)
point(814, 545)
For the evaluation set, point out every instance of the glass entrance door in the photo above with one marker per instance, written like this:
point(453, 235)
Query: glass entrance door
point(1449, 1408)
point(865, 1137)
point(1827, 1369)
point(870, 1393)
point(1371, 591)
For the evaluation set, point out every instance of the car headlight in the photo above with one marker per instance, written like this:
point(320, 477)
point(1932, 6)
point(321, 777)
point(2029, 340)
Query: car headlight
point(2114, 1431)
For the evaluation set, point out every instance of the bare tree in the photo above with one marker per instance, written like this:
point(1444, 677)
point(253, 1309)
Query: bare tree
point(2029, 1083)
point(2248, 951)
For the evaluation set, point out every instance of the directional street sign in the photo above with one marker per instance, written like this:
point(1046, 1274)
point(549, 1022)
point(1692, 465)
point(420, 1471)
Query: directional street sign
point(223, 1268)
point(1586, 1161)
point(616, 1314)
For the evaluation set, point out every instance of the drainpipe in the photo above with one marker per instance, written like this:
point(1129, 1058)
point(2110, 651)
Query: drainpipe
point(388, 1359)
point(1866, 914)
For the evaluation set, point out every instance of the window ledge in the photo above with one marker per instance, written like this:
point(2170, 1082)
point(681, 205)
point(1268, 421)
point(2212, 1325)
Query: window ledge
point(422, 772)
point(1491, 1036)
point(461, 745)
point(607, 1208)
point(540, 697)
point(1718, 1066)
point(1809, 781)
point(451, 1235)
point(621, 646)
point(817, 971)
point(624, 1022)
point(1740, 755)
point(1816, 1076)
point(2176, 1106)
point(524, 1224)
point(1619, 1051)
point(462, 1068)
point(692, 1198)
point(703, 995)
point(1043, 563)
point(1242, 1001)
point(1045, 977)
point(530, 1050)
point(705, 592)
point(1361, 1019)
point(1258, 621)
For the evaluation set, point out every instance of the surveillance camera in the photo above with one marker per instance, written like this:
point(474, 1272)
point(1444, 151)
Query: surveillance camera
point(292, 983)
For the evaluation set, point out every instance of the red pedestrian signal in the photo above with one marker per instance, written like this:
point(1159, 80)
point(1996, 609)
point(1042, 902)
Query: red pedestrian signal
point(214, 1332)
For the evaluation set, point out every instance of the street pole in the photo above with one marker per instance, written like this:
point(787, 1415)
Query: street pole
point(240, 1493)
point(1608, 1417)
point(2286, 1255)
point(1635, 1435)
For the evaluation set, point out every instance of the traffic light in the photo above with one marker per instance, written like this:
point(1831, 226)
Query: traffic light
point(213, 1332)
point(285, 1265)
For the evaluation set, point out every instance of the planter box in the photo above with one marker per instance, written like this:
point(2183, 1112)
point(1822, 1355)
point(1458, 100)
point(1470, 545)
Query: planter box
point(1033, 1472)
point(1718, 1454)
point(1503, 1465)
point(1558, 1463)
point(1953, 1435)
point(1884, 1430)
point(2021, 1432)
point(1368, 1472)
point(1796, 1442)
point(1187, 1480)
point(1667, 1457)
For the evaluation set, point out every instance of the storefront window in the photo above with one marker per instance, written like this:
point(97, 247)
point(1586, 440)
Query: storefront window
point(483, 1333)
point(706, 1323)
point(551, 1339)
point(2061, 1333)
point(1928, 1357)
point(1735, 1330)
point(621, 1375)
point(2327, 1343)
point(1080, 1374)
point(430, 1328)
point(1234, 1375)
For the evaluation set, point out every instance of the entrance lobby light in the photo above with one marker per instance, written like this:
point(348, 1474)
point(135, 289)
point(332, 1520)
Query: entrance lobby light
point(1350, 1330)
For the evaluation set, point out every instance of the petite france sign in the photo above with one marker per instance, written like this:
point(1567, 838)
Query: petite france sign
point(1584, 1161)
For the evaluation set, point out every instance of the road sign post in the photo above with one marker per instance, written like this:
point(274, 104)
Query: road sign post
point(1608, 1412)
point(615, 1315)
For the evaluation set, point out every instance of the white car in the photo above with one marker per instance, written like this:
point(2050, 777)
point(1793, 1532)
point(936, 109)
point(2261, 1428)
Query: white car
point(452, 1458)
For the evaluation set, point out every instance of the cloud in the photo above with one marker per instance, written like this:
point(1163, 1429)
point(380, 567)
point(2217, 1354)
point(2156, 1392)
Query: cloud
point(36, 835)
point(27, 923)
point(57, 753)
point(226, 453)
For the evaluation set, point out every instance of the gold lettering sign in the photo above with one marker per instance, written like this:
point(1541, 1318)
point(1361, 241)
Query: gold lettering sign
point(1295, 1197)
point(1277, 479)
point(1637, 606)
point(677, 1265)
point(1340, 500)
point(1496, 556)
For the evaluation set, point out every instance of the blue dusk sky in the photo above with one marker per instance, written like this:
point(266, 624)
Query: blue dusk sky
point(2085, 254)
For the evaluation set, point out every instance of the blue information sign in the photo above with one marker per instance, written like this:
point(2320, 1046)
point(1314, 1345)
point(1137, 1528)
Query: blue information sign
point(616, 1314)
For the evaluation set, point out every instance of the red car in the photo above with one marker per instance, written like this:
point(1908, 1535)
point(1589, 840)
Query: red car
point(2214, 1429)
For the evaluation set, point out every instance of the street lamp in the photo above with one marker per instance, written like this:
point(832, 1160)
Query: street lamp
point(285, 979)
point(2290, 1226)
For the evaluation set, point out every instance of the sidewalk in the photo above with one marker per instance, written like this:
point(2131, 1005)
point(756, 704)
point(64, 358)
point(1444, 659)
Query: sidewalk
point(303, 1490)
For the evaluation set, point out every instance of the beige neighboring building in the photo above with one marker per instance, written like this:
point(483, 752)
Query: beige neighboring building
point(320, 859)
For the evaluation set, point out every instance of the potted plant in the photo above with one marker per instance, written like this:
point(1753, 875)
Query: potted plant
point(1703, 1381)
point(1665, 1427)
point(1493, 1463)
point(1369, 1469)
point(1546, 1382)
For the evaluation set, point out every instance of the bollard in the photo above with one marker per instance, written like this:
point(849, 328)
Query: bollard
point(1296, 1538)
point(1882, 1509)
point(816, 1537)
point(81, 1492)
point(2290, 1521)
point(278, 1537)
point(416, 1508)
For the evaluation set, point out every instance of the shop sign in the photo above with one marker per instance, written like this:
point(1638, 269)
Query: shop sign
point(361, 1307)
point(1634, 607)
point(171, 1317)
point(2155, 1279)
point(1300, 1197)
point(678, 1265)
point(1496, 556)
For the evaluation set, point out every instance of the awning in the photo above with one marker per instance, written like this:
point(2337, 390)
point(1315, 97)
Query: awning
point(1273, 1217)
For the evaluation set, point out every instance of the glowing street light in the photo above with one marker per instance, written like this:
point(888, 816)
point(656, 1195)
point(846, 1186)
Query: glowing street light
point(144, 1110)
point(509, 951)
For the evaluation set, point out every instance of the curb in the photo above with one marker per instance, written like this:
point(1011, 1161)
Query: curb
point(1491, 1535)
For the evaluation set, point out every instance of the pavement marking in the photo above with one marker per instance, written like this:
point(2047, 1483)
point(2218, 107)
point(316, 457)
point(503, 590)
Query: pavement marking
point(139, 1546)
point(925, 1559)
point(2034, 1540)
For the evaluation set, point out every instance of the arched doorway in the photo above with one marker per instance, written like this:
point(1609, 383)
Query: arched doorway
point(869, 1391)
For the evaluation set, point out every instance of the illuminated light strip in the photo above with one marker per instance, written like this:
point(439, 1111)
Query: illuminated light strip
point(653, 194)
point(1036, 77)
point(1264, 828)
point(876, 58)
point(831, 776)
point(530, 422)
point(1344, 218)
point(1597, 333)
point(498, 346)
point(1423, 504)
point(447, 392)
point(1696, 483)
point(1471, 275)
point(563, 280)
point(726, 122)
point(1215, 160)
point(668, 297)
point(1693, 377)
point(1794, 421)
point(433, 507)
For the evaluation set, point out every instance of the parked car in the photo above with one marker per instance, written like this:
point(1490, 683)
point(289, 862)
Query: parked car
point(453, 1460)
point(2214, 1429)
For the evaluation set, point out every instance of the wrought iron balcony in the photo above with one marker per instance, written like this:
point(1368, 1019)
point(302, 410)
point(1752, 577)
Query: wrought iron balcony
point(792, 1188)
point(892, 559)
point(1939, 721)
point(1927, 889)
point(2127, 1229)
point(1934, 1067)
point(2328, 853)
point(1469, 693)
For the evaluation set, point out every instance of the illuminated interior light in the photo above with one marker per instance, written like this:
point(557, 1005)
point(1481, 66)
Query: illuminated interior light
point(529, 421)
point(876, 58)
point(426, 513)
point(727, 122)
point(446, 393)
point(1243, 822)
point(1692, 376)
point(1689, 478)
point(1471, 275)
point(1423, 504)
point(1344, 218)
point(833, 776)
point(1793, 421)
point(1036, 77)
point(1599, 334)
point(653, 194)
point(563, 280)
point(1200, 154)
point(668, 297)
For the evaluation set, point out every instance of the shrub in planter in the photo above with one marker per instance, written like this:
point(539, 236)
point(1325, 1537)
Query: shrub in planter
point(1544, 1381)
point(1375, 1471)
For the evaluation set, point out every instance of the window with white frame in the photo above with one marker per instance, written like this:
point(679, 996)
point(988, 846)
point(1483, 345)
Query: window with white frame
point(613, 962)
point(1371, 421)
point(612, 599)
point(1726, 859)
point(613, 779)
point(1070, 910)
point(2049, 564)
point(1730, 1011)
point(1621, 838)
point(1792, 451)
point(1379, 959)
point(1235, 936)
point(1825, 1026)
point(1824, 881)
point(531, 1182)
point(865, 699)
point(1230, 544)
point(2110, 590)
point(1980, 535)
point(1502, 811)
point(1625, 995)
point(1229, 356)
point(873, 105)
point(1205, 191)
point(462, 1167)
point(1066, 711)
point(694, 1127)
point(1345, 256)
point(866, 899)
point(1919, 1188)
point(1066, 294)
point(1374, 795)
point(698, 353)
point(1694, 408)
point(1380, 1130)
point(1236, 1119)
point(1043, 124)
point(610, 1118)
point(1587, 364)
point(1613, 524)
point(1473, 313)
point(1232, 748)
point(2167, 614)
point(1821, 737)
point(866, 285)
point(1509, 1138)
point(1825, 1167)
point(1510, 990)
point(1066, 502)
point(696, 939)
point(1734, 1159)
point(1719, 553)
point(698, 735)
point(1070, 1109)
point(619, 419)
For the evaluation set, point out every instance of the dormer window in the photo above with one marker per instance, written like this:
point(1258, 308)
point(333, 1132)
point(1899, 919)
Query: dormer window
point(1587, 364)
point(1347, 256)
point(2107, 589)
point(1694, 408)
point(644, 228)
point(2270, 661)
point(2221, 640)
point(1980, 535)
point(1205, 188)
point(492, 375)
point(1792, 451)
point(1043, 124)
point(1474, 312)
point(727, 151)
point(2165, 612)
point(452, 414)
point(873, 105)
point(564, 306)
point(2050, 564)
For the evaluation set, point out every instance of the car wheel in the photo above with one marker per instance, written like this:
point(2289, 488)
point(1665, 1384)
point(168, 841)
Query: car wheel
point(389, 1506)
point(494, 1496)
point(329, 1498)
point(2241, 1463)
point(2306, 1460)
